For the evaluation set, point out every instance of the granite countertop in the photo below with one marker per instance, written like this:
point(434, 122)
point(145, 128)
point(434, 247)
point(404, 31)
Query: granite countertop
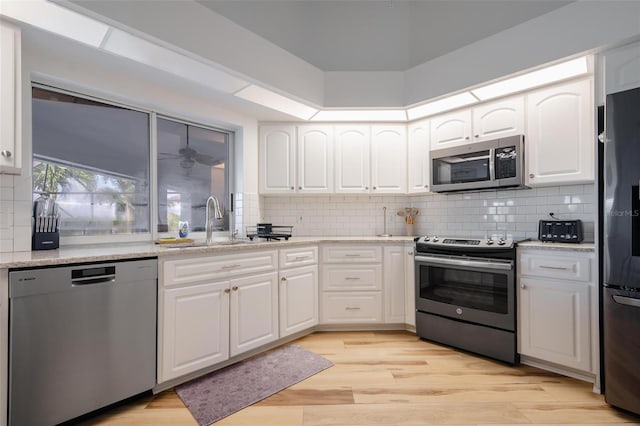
point(108, 252)
point(582, 247)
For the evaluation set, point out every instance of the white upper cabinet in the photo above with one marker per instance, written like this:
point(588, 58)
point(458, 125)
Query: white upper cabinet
point(560, 134)
point(277, 159)
point(451, 129)
point(622, 68)
point(389, 159)
point(418, 159)
point(491, 120)
point(10, 103)
point(498, 119)
point(315, 159)
point(296, 160)
point(352, 144)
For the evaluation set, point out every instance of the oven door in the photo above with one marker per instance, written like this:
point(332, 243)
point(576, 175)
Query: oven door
point(481, 291)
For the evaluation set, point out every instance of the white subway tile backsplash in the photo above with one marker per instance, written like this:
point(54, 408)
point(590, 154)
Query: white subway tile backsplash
point(511, 213)
point(6, 181)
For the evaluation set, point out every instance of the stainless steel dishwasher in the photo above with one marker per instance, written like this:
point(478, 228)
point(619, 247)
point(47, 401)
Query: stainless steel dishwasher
point(81, 337)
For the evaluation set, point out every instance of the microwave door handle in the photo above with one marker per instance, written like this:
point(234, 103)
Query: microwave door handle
point(492, 163)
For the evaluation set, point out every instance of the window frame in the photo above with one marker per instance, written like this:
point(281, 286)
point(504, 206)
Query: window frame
point(153, 113)
point(229, 165)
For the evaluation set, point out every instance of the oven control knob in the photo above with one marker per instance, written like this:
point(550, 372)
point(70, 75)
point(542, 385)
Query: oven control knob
point(489, 242)
point(426, 239)
point(459, 311)
point(500, 242)
point(434, 239)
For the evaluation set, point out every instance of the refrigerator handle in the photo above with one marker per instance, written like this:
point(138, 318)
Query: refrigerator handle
point(630, 301)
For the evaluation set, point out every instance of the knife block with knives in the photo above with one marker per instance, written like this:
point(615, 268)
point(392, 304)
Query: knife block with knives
point(46, 221)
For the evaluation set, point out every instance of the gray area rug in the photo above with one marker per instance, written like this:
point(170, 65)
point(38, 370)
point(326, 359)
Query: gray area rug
point(221, 393)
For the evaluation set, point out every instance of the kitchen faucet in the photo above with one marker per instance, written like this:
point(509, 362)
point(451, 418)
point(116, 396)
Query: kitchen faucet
point(217, 214)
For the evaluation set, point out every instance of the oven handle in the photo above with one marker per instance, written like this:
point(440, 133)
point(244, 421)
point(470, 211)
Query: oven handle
point(506, 266)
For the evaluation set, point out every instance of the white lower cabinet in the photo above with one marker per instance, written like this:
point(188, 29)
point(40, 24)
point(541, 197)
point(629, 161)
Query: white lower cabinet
point(557, 309)
point(298, 299)
point(394, 284)
point(351, 289)
point(298, 295)
point(253, 312)
point(555, 324)
point(196, 328)
point(207, 315)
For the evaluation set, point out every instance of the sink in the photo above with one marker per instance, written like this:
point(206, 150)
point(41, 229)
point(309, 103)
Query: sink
point(204, 244)
point(230, 243)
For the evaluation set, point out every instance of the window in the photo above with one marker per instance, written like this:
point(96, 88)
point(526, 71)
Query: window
point(92, 158)
point(193, 163)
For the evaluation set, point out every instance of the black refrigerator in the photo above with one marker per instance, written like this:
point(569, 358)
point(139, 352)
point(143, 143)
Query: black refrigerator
point(621, 251)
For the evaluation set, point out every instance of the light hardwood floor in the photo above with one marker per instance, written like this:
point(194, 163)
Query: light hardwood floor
point(393, 378)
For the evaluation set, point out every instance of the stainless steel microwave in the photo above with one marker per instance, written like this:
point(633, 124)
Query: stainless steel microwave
point(497, 163)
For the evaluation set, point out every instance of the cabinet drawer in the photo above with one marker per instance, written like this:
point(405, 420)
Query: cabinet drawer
point(351, 277)
point(351, 308)
point(351, 254)
point(556, 265)
point(212, 267)
point(299, 256)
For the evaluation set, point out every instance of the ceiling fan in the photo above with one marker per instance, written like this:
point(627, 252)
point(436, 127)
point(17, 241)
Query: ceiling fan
point(189, 157)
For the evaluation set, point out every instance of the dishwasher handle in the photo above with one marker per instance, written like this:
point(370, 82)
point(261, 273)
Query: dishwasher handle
point(93, 275)
point(98, 280)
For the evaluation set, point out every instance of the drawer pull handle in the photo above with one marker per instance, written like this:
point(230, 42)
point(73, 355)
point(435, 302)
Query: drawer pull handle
point(302, 257)
point(352, 255)
point(352, 308)
point(230, 266)
point(557, 268)
point(351, 278)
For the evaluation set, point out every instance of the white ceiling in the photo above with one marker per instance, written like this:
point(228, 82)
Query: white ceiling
point(376, 35)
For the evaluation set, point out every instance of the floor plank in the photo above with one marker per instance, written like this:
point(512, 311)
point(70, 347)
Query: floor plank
point(394, 378)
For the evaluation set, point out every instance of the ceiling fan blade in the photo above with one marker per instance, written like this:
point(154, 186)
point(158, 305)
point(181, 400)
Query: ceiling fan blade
point(168, 156)
point(206, 159)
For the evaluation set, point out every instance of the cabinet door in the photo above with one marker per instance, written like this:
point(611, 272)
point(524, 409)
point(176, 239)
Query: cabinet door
point(253, 312)
point(622, 68)
point(389, 159)
point(498, 119)
point(277, 159)
point(298, 299)
point(195, 331)
point(418, 160)
point(560, 139)
point(451, 129)
point(394, 284)
point(410, 287)
point(315, 159)
point(555, 322)
point(352, 159)
point(10, 103)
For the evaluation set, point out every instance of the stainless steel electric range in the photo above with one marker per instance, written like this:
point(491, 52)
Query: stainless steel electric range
point(465, 294)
